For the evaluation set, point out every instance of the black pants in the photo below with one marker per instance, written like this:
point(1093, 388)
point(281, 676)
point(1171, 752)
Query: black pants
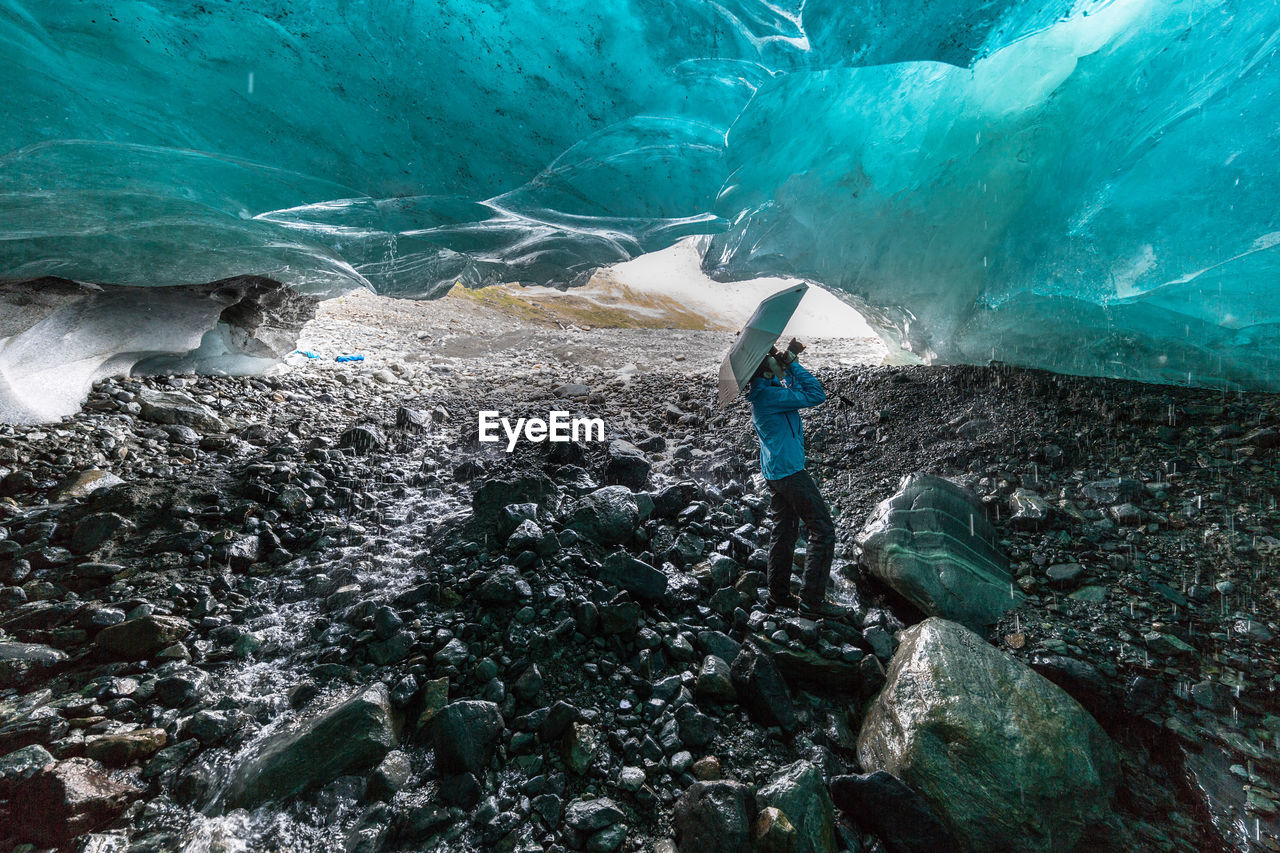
point(795, 499)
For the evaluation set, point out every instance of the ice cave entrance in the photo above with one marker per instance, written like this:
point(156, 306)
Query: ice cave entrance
point(646, 306)
point(676, 273)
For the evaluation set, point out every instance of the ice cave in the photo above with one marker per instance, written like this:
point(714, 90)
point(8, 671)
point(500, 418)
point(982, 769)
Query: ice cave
point(927, 359)
point(1086, 187)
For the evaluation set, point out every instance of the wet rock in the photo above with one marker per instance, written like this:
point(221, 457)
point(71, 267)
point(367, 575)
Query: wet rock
point(572, 390)
point(184, 686)
point(67, 799)
point(607, 516)
point(884, 805)
point(83, 483)
point(631, 779)
point(464, 736)
point(761, 689)
point(35, 724)
point(169, 759)
point(1127, 515)
point(806, 666)
point(213, 727)
point(142, 637)
point(389, 776)
point(773, 833)
point(706, 769)
point(348, 738)
point(635, 576)
point(492, 496)
point(715, 682)
point(1064, 575)
point(422, 821)
point(454, 653)
point(93, 530)
point(1143, 695)
point(528, 685)
point(1112, 491)
point(27, 663)
point(125, 748)
point(19, 762)
point(525, 537)
point(173, 407)
point(715, 816)
point(392, 650)
point(593, 815)
point(1167, 645)
point(1030, 511)
point(414, 420)
point(1082, 681)
point(1235, 820)
point(1008, 760)
point(931, 542)
point(579, 747)
point(363, 438)
point(626, 465)
point(800, 793)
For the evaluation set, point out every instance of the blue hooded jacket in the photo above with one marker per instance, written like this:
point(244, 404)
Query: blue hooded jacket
point(775, 413)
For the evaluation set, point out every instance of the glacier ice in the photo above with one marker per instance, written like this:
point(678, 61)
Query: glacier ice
point(58, 337)
point(1083, 185)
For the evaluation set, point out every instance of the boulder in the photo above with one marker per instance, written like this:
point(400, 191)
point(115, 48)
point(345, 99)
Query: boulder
point(82, 483)
point(715, 682)
point(799, 792)
point(464, 736)
point(350, 737)
point(136, 639)
point(117, 750)
point(761, 688)
point(1029, 510)
point(1112, 491)
point(20, 762)
point(93, 530)
point(931, 543)
point(1006, 758)
point(65, 800)
point(593, 815)
point(607, 516)
point(174, 407)
point(27, 663)
point(363, 438)
point(626, 465)
point(492, 496)
point(715, 816)
point(882, 804)
point(635, 576)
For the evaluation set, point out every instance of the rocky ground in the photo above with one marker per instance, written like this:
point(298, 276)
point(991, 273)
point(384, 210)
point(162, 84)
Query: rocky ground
point(311, 612)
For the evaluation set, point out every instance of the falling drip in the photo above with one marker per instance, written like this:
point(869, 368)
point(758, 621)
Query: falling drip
point(971, 524)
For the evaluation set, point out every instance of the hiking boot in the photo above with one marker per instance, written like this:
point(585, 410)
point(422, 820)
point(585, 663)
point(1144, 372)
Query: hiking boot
point(825, 609)
point(787, 602)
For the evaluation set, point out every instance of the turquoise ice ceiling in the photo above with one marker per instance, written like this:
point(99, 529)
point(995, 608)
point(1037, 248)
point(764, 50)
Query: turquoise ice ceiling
point(1085, 187)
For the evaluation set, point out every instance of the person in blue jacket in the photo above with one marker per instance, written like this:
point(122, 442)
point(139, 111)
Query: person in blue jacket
point(777, 392)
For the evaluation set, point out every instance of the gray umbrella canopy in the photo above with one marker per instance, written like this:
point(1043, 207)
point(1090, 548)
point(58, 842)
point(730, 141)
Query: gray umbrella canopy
point(755, 339)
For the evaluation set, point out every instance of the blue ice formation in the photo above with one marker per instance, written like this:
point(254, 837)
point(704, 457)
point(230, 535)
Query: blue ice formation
point(1084, 185)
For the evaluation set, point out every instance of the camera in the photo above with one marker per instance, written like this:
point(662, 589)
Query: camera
point(783, 357)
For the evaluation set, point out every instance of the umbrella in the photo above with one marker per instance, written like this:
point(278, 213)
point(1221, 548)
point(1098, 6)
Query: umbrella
point(755, 339)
